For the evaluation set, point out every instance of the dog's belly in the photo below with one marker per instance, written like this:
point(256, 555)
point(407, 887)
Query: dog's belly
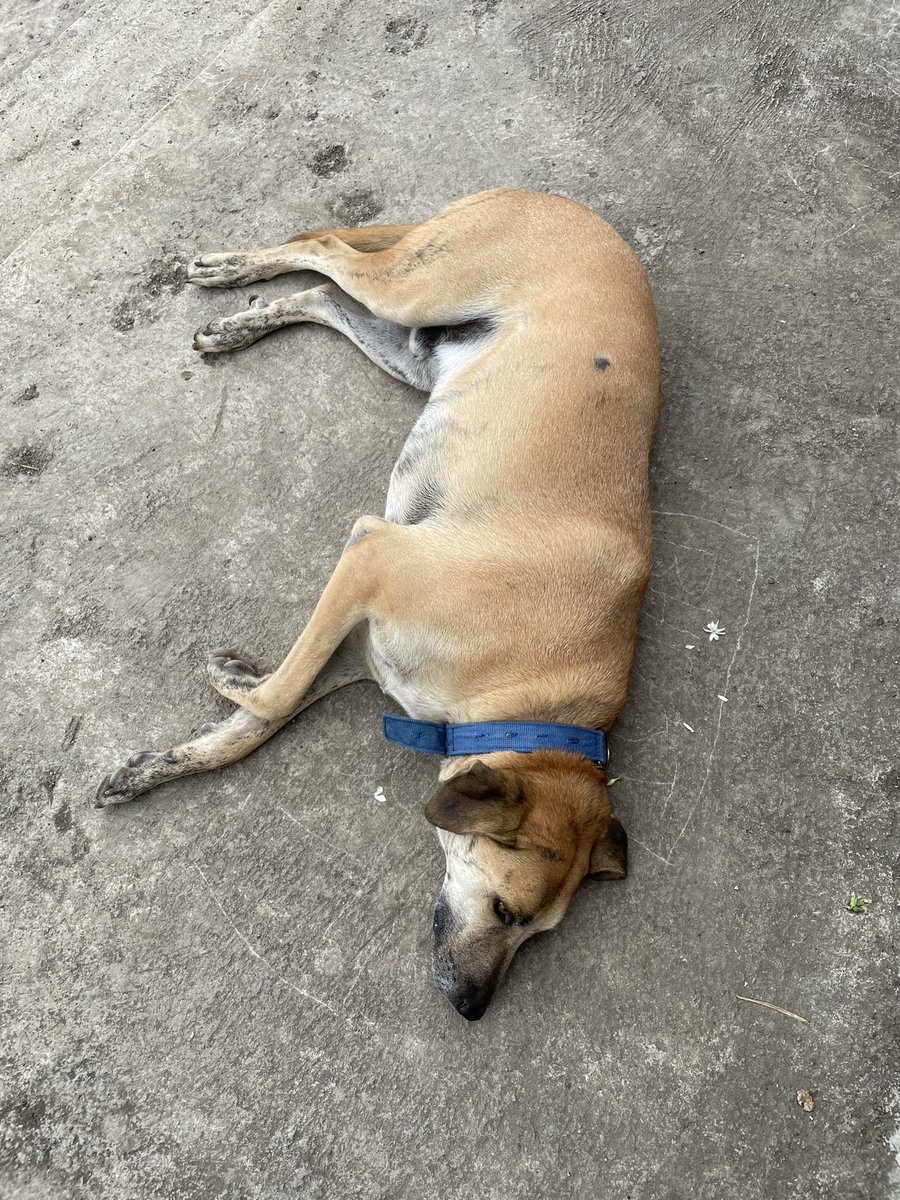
point(417, 488)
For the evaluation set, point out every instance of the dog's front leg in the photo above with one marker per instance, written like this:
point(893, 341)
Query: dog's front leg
point(219, 743)
point(375, 550)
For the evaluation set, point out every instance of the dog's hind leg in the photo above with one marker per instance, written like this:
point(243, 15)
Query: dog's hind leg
point(411, 284)
point(464, 263)
point(237, 268)
point(385, 342)
point(221, 742)
point(361, 237)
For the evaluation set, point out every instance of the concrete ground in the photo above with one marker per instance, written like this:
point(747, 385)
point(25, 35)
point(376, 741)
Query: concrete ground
point(222, 991)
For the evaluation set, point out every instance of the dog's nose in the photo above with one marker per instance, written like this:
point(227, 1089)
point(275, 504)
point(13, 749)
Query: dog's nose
point(474, 1006)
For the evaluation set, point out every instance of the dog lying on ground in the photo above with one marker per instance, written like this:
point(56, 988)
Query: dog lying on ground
point(501, 590)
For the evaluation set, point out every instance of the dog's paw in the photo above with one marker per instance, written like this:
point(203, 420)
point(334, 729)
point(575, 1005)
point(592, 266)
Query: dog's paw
point(141, 773)
point(234, 332)
point(231, 675)
point(224, 270)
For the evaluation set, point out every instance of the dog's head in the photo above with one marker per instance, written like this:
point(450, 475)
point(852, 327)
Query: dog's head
point(519, 835)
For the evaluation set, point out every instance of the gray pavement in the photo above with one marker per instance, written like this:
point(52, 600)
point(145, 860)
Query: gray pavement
point(222, 991)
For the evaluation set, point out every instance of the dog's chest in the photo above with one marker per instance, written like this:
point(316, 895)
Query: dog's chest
point(406, 666)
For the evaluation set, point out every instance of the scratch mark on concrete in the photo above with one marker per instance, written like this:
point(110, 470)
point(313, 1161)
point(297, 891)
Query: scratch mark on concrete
point(682, 546)
point(647, 782)
point(709, 761)
point(670, 793)
point(652, 853)
point(376, 941)
point(837, 236)
point(256, 953)
point(218, 840)
point(359, 967)
point(677, 599)
point(668, 624)
point(659, 512)
point(334, 849)
point(774, 1007)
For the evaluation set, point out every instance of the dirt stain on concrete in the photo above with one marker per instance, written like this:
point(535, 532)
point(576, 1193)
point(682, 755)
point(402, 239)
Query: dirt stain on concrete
point(328, 161)
point(404, 34)
point(28, 461)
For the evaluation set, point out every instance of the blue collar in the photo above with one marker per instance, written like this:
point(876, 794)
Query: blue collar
point(486, 737)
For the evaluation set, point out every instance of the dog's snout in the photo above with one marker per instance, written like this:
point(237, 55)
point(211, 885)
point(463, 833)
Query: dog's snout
point(441, 918)
point(473, 1005)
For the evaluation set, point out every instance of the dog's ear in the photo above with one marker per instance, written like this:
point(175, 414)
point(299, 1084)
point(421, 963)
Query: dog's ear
point(481, 800)
point(609, 857)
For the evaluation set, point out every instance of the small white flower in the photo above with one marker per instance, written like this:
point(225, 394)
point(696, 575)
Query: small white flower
point(714, 629)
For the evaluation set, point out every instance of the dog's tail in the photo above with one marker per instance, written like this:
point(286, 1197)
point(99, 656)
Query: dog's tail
point(362, 237)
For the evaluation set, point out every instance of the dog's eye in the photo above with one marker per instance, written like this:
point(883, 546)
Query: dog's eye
point(503, 913)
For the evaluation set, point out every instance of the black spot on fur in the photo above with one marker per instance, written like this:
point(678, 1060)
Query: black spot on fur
point(331, 160)
point(602, 363)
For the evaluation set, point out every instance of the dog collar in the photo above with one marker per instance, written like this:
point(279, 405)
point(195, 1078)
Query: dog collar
point(486, 737)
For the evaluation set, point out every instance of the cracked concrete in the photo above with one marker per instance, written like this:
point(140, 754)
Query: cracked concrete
point(222, 991)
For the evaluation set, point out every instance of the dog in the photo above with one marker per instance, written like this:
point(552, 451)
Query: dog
point(503, 584)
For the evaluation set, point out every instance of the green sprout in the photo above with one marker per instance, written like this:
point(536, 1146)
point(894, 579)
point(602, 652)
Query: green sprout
point(858, 904)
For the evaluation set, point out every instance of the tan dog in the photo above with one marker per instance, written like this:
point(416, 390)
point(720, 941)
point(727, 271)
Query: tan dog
point(506, 577)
